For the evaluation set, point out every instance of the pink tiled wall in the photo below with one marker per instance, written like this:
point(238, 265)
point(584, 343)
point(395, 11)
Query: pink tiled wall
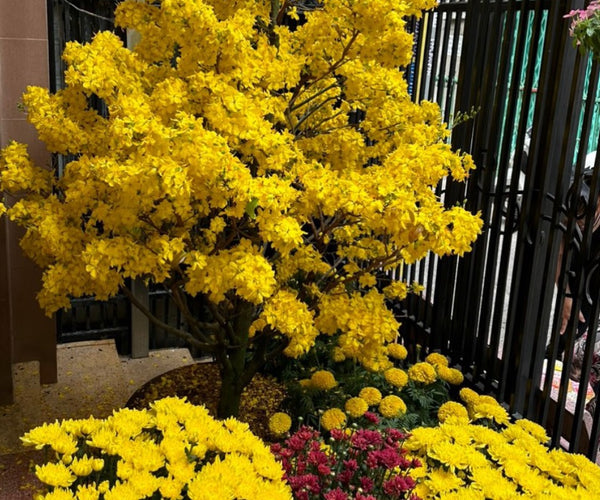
point(25, 333)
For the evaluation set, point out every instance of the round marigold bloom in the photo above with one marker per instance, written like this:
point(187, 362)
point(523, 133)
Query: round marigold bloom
point(450, 375)
point(338, 355)
point(451, 411)
point(371, 395)
point(392, 406)
point(396, 377)
point(305, 383)
point(323, 380)
point(469, 396)
point(280, 423)
point(436, 359)
point(423, 373)
point(334, 418)
point(356, 407)
point(397, 351)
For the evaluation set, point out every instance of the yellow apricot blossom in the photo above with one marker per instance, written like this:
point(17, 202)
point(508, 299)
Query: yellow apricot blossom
point(229, 169)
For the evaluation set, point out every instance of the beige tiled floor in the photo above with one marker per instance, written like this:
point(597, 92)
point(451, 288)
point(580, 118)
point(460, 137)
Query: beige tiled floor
point(92, 380)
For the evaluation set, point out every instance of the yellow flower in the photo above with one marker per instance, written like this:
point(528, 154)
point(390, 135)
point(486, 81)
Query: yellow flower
point(323, 380)
point(338, 355)
point(397, 351)
point(87, 492)
point(280, 423)
point(85, 465)
point(356, 407)
point(397, 377)
point(423, 373)
point(334, 418)
point(469, 396)
point(491, 411)
point(57, 475)
point(436, 359)
point(454, 412)
point(450, 375)
point(305, 383)
point(58, 494)
point(371, 395)
point(392, 406)
point(536, 430)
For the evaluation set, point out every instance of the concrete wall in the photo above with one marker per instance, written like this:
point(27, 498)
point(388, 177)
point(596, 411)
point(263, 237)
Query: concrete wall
point(25, 333)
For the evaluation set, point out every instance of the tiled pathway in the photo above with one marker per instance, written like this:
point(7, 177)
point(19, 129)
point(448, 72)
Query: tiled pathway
point(92, 379)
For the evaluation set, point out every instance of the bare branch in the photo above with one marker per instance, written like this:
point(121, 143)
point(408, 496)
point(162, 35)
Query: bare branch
point(205, 346)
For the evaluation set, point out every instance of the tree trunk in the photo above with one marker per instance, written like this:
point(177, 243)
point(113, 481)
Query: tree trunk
point(230, 395)
point(233, 363)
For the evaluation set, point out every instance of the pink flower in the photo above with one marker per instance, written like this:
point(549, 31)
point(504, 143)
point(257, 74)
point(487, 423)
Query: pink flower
point(338, 434)
point(336, 494)
point(351, 464)
point(323, 469)
point(398, 485)
point(371, 417)
point(395, 435)
point(363, 438)
point(388, 457)
point(366, 483)
point(306, 482)
point(317, 457)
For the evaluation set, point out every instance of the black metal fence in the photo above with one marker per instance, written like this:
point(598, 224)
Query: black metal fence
point(498, 311)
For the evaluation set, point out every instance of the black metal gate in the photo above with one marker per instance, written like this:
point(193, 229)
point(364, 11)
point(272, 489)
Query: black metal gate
point(497, 311)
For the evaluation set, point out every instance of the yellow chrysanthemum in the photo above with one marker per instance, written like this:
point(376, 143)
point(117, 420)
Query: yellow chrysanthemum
point(450, 375)
point(397, 351)
point(396, 377)
point(333, 418)
point(423, 373)
point(280, 423)
point(338, 355)
point(454, 412)
point(371, 395)
point(392, 406)
point(57, 475)
point(356, 407)
point(323, 380)
point(436, 359)
point(469, 396)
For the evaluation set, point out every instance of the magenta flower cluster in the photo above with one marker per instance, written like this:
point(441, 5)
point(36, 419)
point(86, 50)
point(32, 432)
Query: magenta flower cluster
point(359, 464)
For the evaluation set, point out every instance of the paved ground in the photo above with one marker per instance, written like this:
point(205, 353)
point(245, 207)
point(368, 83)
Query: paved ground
point(92, 379)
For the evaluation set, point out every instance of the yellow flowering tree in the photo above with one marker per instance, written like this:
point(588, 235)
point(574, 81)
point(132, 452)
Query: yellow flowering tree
point(261, 160)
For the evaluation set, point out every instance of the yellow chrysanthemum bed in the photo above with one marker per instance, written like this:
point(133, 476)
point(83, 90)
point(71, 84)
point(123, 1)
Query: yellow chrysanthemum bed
point(463, 459)
point(173, 450)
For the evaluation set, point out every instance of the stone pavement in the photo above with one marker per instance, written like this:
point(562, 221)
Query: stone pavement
point(92, 380)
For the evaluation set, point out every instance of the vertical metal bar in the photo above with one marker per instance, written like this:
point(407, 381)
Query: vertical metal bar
point(140, 326)
point(531, 251)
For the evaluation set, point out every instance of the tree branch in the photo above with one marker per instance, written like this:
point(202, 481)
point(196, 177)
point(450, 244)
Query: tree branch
point(205, 346)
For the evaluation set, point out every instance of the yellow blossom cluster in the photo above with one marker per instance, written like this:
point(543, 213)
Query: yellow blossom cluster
point(483, 407)
point(166, 450)
point(280, 423)
point(392, 406)
point(371, 395)
point(356, 407)
point(462, 459)
point(333, 418)
point(422, 373)
point(267, 170)
point(323, 380)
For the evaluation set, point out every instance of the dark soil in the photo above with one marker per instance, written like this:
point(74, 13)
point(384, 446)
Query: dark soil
point(200, 383)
